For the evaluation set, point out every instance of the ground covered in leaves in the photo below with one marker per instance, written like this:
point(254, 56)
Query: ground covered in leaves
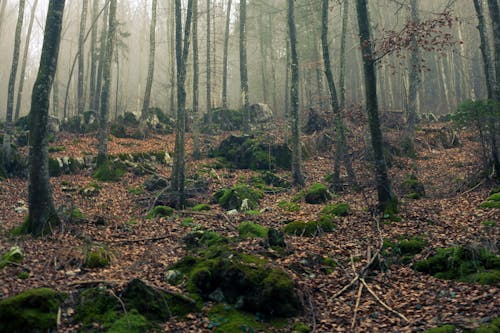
point(115, 217)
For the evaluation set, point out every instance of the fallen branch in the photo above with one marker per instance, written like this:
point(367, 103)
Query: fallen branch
point(87, 282)
point(136, 240)
point(382, 302)
point(356, 307)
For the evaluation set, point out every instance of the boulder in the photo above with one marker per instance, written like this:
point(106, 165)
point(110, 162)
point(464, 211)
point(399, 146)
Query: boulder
point(260, 115)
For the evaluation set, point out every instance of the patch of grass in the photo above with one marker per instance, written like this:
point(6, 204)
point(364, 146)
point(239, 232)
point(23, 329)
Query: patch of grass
point(493, 201)
point(160, 211)
point(489, 223)
point(14, 255)
point(309, 229)
point(340, 209)
point(109, 171)
point(289, 206)
point(96, 256)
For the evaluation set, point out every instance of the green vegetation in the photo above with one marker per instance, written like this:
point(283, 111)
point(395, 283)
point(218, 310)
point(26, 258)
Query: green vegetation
point(340, 209)
point(201, 207)
point(56, 149)
point(96, 256)
point(160, 211)
point(402, 250)
point(55, 169)
point(317, 194)
point(109, 171)
point(137, 190)
point(232, 198)
point(463, 264)
point(442, 329)
point(31, 311)
point(412, 188)
point(493, 201)
point(13, 255)
point(289, 206)
point(301, 328)
point(203, 239)
point(309, 229)
point(252, 230)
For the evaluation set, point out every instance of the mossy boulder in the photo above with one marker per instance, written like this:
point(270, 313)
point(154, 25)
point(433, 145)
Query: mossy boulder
point(224, 120)
point(252, 230)
point(317, 194)
point(97, 256)
point(34, 310)
point(232, 198)
point(155, 183)
point(402, 250)
point(203, 239)
point(247, 281)
point(109, 171)
point(493, 201)
point(14, 255)
point(309, 229)
point(463, 263)
point(412, 188)
point(201, 207)
point(276, 238)
point(160, 211)
point(339, 209)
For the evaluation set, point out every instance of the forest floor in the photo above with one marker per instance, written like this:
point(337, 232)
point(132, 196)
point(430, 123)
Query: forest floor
point(143, 248)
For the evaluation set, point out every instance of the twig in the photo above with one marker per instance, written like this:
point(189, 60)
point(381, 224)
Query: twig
point(349, 285)
point(382, 302)
point(136, 240)
point(474, 187)
point(356, 307)
point(122, 304)
point(86, 282)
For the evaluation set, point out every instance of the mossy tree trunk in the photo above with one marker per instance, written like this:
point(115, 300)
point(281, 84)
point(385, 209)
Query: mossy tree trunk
point(102, 148)
point(81, 59)
point(225, 57)
point(386, 198)
point(341, 147)
point(22, 73)
point(12, 84)
point(297, 176)
point(181, 54)
point(151, 66)
point(243, 66)
point(42, 213)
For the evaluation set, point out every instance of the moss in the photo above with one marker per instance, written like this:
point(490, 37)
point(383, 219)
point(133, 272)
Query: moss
point(493, 201)
point(31, 311)
point(232, 198)
point(109, 171)
point(340, 209)
point(55, 169)
point(96, 305)
point(201, 207)
point(160, 211)
point(463, 264)
point(412, 188)
point(131, 322)
point(23, 275)
point(252, 230)
point(97, 256)
point(13, 255)
point(301, 328)
point(137, 190)
point(289, 206)
point(317, 194)
point(442, 329)
point(489, 223)
point(309, 229)
point(55, 149)
point(225, 319)
point(203, 239)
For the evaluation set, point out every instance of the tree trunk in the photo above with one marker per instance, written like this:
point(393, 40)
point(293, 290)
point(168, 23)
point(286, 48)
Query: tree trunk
point(181, 54)
point(93, 56)
point(20, 88)
point(225, 56)
point(387, 200)
point(263, 58)
point(172, 60)
point(485, 49)
point(42, 213)
point(196, 83)
point(2, 15)
point(102, 135)
point(151, 66)
point(297, 176)
point(287, 93)
point(345, 18)
point(243, 66)
point(81, 59)
point(102, 59)
point(209, 67)
point(12, 85)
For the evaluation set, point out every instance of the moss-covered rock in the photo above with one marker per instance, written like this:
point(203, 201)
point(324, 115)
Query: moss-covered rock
point(160, 211)
point(412, 188)
point(14, 255)
point(131, 322)
point(97, 256)
point(463, 264)
point(203, 239)
point(109, 171)
point(317, 194)
point(442, 329)
point(309, 229)
point(155, 183)
point(34, 310)
point(55, 169)
point(201, 207)
point(224, 120)
point(493, 201)
point(339, 209)
point(252, 230)
point(233, 198)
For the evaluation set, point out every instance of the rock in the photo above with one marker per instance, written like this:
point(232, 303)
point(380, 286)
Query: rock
point(225, 120)
point(260, 115)
point(232, 198)
point(245, 205)
point(232, 212)
point(315, 122)
point(21, 210)
point(155, 183)
point(173, 276)
point(317, 194)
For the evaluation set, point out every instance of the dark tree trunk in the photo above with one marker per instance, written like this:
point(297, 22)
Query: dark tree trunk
point(81, 59)
point(345, 18)
point(196, 84)
point(12, 84)
point(485, 49)
point(102, 59)
point(386, 198)
point(209, 67)
point(225, 56)
point(297, 176)
point(102, 148)
point(22, 73)
point(243, 66)
point(42, 213)
point(151, 66)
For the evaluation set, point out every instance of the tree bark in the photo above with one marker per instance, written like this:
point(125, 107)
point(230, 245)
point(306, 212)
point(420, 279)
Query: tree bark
point(22, 73)
point(345, 18)
point(102, 148)
point(209, 67)
point(42, 213)
point(102, 58)
point(243, 66)
point(386, 198)
point(297, 176)
point(93, 55)
point(225, 56)
point(12, 84)
point(485, 49)
point(196, 84)
point(81, 59)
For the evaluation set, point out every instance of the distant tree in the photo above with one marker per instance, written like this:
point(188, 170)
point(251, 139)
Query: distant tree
point(12, 84)
point(386, 197)
point(196, 85)
point(81, 59)
point(22, 73)
point(102, 58)
point(102, 148)
point(297, 176)
point(343, 37)
point(181, 54)
point(42, 213)
point(94, 55)
point(225, 56)
point(209, 67)
point(3, 5)
point(243, 66)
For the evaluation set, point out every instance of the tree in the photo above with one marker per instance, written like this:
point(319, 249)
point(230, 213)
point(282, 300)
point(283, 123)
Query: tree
point(181, 54)
point(93, 55)
point(22, 73)
point(345, 18)
point(243, 66)
point(102, 148)
point(151, 66)
point(209, 69)
point(81, 59)
point(341, 148)
point(485, 49)
point(196, 84)
point(12, 84)
point(42, 213)
point(297, 176)
point(102, 58)
point(225, 56)
point(386, 198)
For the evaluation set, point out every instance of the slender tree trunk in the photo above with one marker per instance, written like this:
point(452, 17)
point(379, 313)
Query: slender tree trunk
point(263, 58)
point(287, 92)
point(102, 135)
point(42, 213)
point(209, 67)
point(81, 59)
point(345, 18)
point(196, 84)
point(102, 59)
point(2, 15)
point(172, 60)
point(225, 56)
point(151, 66)
point(181, 53)
point(297, 176)
point(55, 97)
point(22, 73)
point(273, 61)
point(387, 200)
point(12, 85)
point(93, 55)
point(243, 66)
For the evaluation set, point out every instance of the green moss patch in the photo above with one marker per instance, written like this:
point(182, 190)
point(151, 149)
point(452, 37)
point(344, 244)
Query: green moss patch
point(289, 206)
point(31, 311)
point(493, 201)
point(317, 194)
point(109, 171)
point(201, 207)
point(412, 188)
point(252, 230)
point(442, 329)
point(96, 256)
point(160, 211)
point(13, 255)
point(233, 198)
point(339, 209)
point(203, 239)
point(309, 229)
point(463, 264)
